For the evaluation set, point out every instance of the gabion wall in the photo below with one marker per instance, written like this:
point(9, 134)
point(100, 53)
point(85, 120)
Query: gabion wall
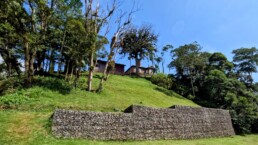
point(143, 123)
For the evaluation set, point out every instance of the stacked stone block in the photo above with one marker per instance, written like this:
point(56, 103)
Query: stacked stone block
point(143, 123)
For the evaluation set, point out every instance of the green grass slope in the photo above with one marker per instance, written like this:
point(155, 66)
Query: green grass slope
point(28, 119)
point(119, 93)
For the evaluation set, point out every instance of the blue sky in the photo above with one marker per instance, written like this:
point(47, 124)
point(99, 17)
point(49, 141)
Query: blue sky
point(217, 25)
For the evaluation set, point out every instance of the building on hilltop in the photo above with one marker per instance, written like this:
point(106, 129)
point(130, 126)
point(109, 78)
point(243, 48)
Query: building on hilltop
point(100, 66)
point(119, 69)
point(143, 71)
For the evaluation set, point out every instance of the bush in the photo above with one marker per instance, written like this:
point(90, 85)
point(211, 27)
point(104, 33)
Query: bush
point(241, 123)
point(10, 85)
point(191, 97)
point(53, 83)
point(162, 80)
point(12, 101)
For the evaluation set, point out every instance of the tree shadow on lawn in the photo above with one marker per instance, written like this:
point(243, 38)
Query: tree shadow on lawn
point(169, 93)
point(97, 76)
point(54, 84)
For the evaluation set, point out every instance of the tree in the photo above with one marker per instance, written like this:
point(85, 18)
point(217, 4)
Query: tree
point(219, 91)
point(139, 43)
point(213, 83)
point(164, 49)
point(214, 86)
point(8, 42)
point(22, 21)
point(219, 61)
point(246, 60)
point(75, 47)
point(158, 60)
point(94, 22)
point(67, 9)
point(114, 47)
point(186, 59)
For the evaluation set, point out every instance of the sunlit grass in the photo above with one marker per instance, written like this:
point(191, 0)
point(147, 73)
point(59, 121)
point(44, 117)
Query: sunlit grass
point(29, 121)
point(33, 128)
point(119, 93)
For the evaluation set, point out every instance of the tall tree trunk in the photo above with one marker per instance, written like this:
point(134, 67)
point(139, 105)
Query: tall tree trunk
point(61, 53)
point(71, 75)
point(138, 64)
point(91, 69)
point(67, 69)
point(9, 64)
point(31, 65)
point(40, 60)
point(51, 62)
point(130, 67)
point(47, 61)
point(191, 78)
point(111, 55)
point(78, 72)
point(104, 76)
point(27, 63)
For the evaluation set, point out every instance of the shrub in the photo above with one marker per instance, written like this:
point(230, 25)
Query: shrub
point(191, 97)
point(162, 80)
point(242, 123)
point(10, 85)
point(12, 101)
point(53, 83)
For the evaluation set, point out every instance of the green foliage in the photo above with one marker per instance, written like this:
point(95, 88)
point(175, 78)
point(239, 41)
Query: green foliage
point(217, 83)
point(241, 123)
point(231, 94)
point(12, 101)
point(53, 83)
point(10, 85)
point(187, 59)
point(139, 43)
point(82, 83)
point(214, 86)
point(162, 80)
point(191, 97)
point(219, 61)
point(190, 63)
point(244, 111)
point(255, 88)
point(246, 60)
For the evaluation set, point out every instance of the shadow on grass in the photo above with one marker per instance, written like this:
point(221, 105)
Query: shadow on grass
point(169, 93)
point(10, 85)
point(97, 76)
point(54, 84)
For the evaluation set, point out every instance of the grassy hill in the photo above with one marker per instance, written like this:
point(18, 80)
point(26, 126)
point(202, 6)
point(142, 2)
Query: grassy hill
point(25, 114)
point(119, 93)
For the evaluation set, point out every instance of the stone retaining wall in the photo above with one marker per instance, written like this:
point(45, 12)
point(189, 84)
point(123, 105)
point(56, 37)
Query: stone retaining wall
point(143, 123)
